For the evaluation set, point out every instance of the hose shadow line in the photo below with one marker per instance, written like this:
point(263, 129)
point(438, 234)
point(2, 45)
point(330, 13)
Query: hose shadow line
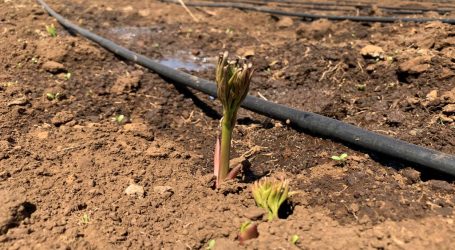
point(385, 160)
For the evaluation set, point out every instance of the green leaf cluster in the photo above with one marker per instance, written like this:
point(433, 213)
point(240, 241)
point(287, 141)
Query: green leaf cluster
point(51, 30)
point(270, 194)
point(341, 157)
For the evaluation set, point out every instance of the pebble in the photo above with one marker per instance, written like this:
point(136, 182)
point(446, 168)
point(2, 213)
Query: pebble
point(448, 109)
point(372, 51)
point(285, 22)
point(432, 95)
point(441, 185)
point(412, 175)
point(18, 102)
point(164, 191)
point(415, 65)
point(135, 190)
point(254, 213)
point(62, 117)
point(53, 67)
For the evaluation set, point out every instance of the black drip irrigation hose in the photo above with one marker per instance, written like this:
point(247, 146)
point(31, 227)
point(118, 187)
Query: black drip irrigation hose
point(363, 5)
point(314, 123)
point(396, 9)
point(314, 16)
point(337, 6)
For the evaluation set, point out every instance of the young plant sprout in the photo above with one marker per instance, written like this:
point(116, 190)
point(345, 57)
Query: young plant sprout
point(119, 119)
point(85, 219)
point(270, 194)
point(53, 96)
point(211, 244)
point(248, 230)
point(233, 82)
point(51, 30)
point(67, 76)
point(294, 239)
point(339, 158)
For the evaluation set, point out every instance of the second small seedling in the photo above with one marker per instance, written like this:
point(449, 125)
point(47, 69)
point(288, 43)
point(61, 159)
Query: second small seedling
point(53, 96)
point(51, 30)
point(340, 158)
point(120, 119)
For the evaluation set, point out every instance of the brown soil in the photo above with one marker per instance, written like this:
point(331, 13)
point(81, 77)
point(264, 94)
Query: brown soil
point(66, 164)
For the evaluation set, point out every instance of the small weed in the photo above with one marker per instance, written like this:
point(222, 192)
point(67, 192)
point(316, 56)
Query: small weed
point(67, 76)
point(53, 96)
point(294, 239)
point(120, 119)
point(51, 30)
point(210, 245)
point(361, 87)
point(7, 84)
point(85, 219)
point(340, 158)
point(389, 59)
point(229, 31)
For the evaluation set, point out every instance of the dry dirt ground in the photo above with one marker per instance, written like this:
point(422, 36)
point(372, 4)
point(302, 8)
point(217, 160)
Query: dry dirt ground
point(72, 177)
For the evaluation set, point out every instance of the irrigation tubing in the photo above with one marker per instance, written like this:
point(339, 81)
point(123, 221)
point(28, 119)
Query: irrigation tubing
point(397, 9)
point(310, 122)
point(336, 7)
point(362, 5)
point(381, 19)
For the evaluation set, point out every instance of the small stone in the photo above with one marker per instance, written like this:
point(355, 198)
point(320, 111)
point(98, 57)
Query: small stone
point(432, 95)
point(164, 191)
point(395, 118)
point(446, 73)
point(245, 52)
point(412, 100)
point(54, 67)
point(354, 207)
point(285, 22)
point(449, 109)
point(441, 185)
point(444, 118)
point(62, 117)
point(316, 29)
point(412, 175)
point(254, 213)
point(364, 219)
point(18, 102)
point(416, 65)
point(372, 51)
point(449, 96)
point(135, 190)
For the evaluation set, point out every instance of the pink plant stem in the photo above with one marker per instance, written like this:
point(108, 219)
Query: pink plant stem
point(226, 134)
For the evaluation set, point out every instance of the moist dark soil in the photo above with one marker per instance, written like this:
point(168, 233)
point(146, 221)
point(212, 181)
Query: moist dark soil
point(74, 175)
